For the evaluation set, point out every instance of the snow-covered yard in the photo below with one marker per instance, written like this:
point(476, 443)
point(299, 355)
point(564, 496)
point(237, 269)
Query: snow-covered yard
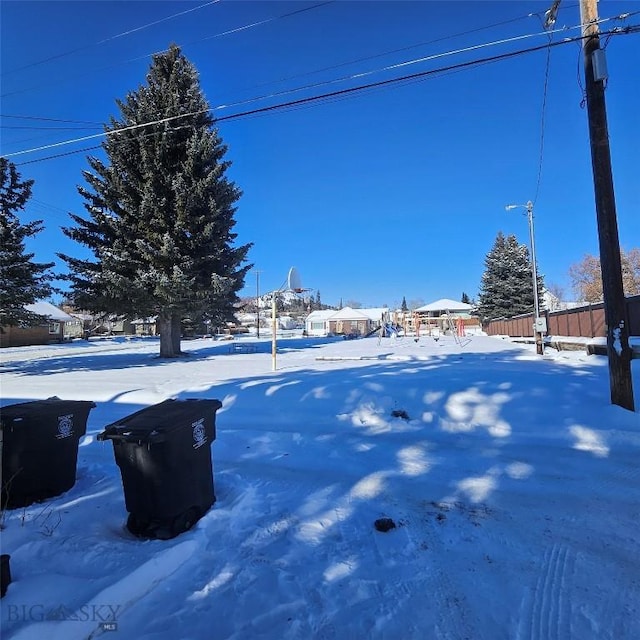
point(510, 478)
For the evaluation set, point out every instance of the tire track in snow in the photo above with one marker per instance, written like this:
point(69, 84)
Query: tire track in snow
point(549, 615)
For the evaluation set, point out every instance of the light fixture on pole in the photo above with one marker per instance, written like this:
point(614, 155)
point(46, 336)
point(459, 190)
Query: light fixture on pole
point(539, 324)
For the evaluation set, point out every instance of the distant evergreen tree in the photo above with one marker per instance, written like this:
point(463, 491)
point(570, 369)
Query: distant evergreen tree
point(318, 304)
point(340, 304)
point(404, 306)
point(506, 289)
point(161, 210)
point(22, 281)
point(465, 298)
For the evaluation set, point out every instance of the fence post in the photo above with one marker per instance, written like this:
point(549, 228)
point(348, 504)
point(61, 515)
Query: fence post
point(579, 324)
point(546, 315)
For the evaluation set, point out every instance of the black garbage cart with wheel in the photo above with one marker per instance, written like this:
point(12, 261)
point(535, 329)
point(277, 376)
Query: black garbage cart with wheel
point(40, 448)
point(164, 455)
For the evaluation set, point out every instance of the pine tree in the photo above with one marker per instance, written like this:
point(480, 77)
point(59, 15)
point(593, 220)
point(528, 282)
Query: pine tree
point(22, 281)
point(465, 298)
point(404, 306)
point(318, 304)
point(507, 288)
point(161, 211)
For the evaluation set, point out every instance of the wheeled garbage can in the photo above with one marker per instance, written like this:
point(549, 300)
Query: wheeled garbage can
point(164, 455)
point(40, 448)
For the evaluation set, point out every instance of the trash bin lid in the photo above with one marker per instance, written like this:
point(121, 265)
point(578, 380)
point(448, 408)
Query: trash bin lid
point(41, 408)
point(154, 423)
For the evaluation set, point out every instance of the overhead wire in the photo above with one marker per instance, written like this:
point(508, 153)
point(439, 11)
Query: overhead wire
point(109, 39)
point(5, 115)
point(391, 51)
point(357, 60)
point(542, 124)
point(41, 128)
point(550, 16)
point(149, 55)
point(316, 98)
point(277, 94)
point(323, 69)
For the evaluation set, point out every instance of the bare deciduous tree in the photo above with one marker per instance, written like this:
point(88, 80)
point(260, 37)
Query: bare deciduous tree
point(586, 277)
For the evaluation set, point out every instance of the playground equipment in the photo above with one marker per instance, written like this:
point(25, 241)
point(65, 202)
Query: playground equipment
point(387, 330)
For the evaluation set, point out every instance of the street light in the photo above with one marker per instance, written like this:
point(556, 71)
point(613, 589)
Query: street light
point(539, 324)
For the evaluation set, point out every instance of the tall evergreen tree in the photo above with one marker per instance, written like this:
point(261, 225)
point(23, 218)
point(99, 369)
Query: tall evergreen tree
point(161, 210)
point(465, 298)
point(22, 281)
point(318, 304)
point(506, 289)
point(404, 307)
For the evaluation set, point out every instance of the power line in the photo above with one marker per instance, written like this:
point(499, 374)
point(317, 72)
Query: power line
point(59, 155)
point(5, 115)
point(307, 73)
point(392, 51)
point(542, 125)
point(42, 128)
point(550, 16)
point(284, 92)
point(391, 81)
point(109, 39)
point(148, 55)
point(392, 67)
point(289, 91)
point(325, 96)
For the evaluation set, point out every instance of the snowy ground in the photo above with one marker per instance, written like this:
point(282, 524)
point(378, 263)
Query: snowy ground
point(512, 480)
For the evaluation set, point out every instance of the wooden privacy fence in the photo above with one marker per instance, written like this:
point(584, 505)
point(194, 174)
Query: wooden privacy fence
point(585, 322)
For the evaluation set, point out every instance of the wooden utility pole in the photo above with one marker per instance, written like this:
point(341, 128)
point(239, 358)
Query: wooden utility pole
point(618, 350)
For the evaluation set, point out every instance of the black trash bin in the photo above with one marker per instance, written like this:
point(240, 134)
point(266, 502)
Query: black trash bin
point(164, 455)
point(5, 573)
point(40, 448)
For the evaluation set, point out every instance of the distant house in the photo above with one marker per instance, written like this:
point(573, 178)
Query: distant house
point(282, 322)
point(316, 323)
point(58, 327)
point(346, 321)
point(145, 326)
point(113, 325)
point(100, 324)
point(551, 302)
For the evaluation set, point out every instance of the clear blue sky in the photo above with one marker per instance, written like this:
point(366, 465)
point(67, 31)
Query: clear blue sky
point(392, 192)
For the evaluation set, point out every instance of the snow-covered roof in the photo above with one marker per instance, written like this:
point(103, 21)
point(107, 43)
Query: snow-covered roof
point(446, 304)
point(347, 313)
point(49, 311)
point(375, 313)
point(320, 314)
